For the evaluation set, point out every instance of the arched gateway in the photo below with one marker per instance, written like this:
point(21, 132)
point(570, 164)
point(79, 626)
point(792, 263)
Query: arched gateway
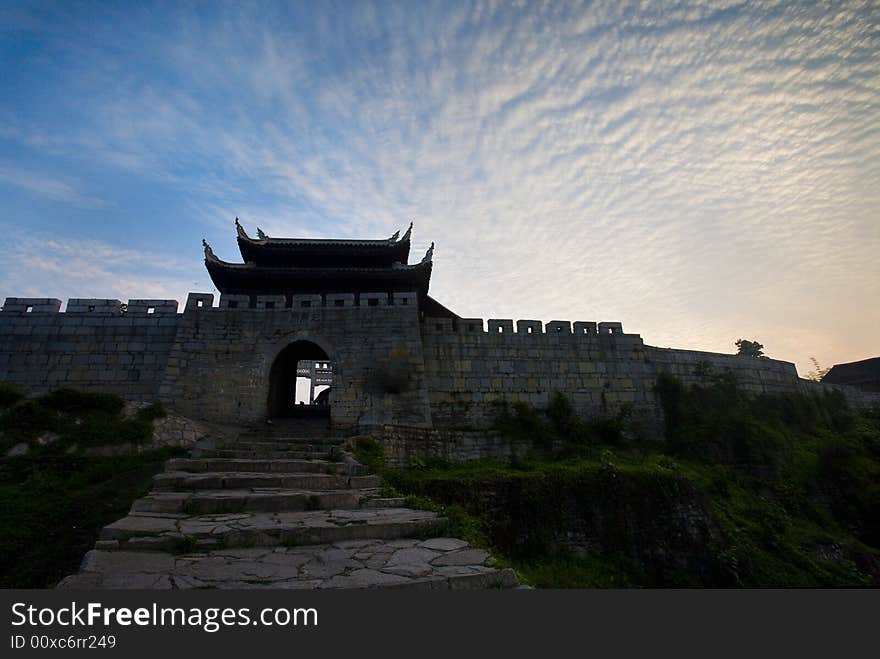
point(297, 305)
point(300, 381)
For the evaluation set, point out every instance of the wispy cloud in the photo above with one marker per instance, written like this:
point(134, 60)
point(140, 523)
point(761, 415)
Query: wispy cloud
point(48, 187)
point(700, 170)
point(39, 265)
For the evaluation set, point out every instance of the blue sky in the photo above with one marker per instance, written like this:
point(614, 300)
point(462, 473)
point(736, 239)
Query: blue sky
point(701, 171)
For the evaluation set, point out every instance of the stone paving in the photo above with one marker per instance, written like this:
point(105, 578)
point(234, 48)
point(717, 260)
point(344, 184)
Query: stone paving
point(264, 511)
point(437, 563)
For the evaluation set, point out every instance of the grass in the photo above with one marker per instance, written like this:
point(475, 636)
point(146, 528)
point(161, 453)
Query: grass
point(766, 491)
point(74, 420)
point(55, 499)
point(52, 508)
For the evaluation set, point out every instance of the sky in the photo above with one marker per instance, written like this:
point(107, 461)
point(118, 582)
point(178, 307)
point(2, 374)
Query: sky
point(700, 171)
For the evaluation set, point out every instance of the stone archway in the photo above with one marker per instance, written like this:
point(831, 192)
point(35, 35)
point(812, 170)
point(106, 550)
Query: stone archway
point(300, 361)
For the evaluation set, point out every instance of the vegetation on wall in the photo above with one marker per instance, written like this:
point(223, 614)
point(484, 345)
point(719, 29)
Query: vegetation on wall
point(747, 348)
point(769, 490)
point(67, 420)
point(55, 498)
point(818, 372)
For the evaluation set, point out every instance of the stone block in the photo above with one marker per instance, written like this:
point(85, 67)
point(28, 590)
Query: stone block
point(467, 325)
point(405, 299)
point(38, 305)
point(271, 302)
point(94, 305)
point(199, 301)
point(151, 307)
point(529, 327)
point(373, 299)
point(558, 327)
point(306, 301)
point(610, 328)
point(228, 301)
point(497, 326)
point(584, 327)
point(339, 300)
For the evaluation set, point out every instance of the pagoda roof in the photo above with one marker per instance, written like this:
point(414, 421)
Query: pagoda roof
point(256, 278)
point(310, 251)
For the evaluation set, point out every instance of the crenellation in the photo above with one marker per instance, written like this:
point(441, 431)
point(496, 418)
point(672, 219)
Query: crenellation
point(585, 327)
point(95, 306)
point(197, 301)
point(270, 302)
point(558, 327)
point(306, 301)
point(35, 305)
point(339, 299)
point(151, 307)
point(373, 300)
point(500, 326)
point(405, 299)
point(529, 327)
point(610, 328)
point(231, 301)
point(469, 325)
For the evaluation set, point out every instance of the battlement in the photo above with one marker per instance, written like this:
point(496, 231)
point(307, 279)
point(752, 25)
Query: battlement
point(496, 326)
point(310, 301)
point(194, 301)
point(94, 306)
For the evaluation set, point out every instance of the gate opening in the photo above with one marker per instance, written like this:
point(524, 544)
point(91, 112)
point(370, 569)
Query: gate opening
point(300, 382)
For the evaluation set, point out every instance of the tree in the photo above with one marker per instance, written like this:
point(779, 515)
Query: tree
point(745, 348)
point(819, 372)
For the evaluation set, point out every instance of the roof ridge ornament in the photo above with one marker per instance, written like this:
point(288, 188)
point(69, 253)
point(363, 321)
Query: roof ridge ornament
point(261, 235)
point(429, 255)
point(394, 236)
point(408, 232)
point(240, 229)
point(209, 253)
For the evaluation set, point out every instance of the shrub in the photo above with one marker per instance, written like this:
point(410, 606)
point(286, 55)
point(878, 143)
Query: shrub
point(10, 395)
point(71, 401)
point(368, 451)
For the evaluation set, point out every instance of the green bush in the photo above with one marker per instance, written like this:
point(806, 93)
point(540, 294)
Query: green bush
point(559, 432)
point(10, 395)
point(75, 419)
point(53, 507)
point(71, 401)
point(756, 491)
point(368, 451)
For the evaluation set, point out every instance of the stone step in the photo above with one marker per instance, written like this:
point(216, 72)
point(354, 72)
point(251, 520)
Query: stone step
point(203, 465)
point(384, 502)
point(439, 563)
point(289, 436)
point(300, 427)
point(210, 502)
point(157, 532)
point(181, 480)
point(325, 447)
point(242, 454)
point(293, 439)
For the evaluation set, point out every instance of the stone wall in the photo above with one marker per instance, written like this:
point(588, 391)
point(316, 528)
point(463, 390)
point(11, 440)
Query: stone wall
point(219, 366)
point(404, 444)
point(471, 371)
point(855, 397)
point(213, 363)
point(96, 345)
point(755, 374)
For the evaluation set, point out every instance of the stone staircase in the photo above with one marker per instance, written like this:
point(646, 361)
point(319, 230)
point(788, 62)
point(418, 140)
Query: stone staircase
point(281, 507)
